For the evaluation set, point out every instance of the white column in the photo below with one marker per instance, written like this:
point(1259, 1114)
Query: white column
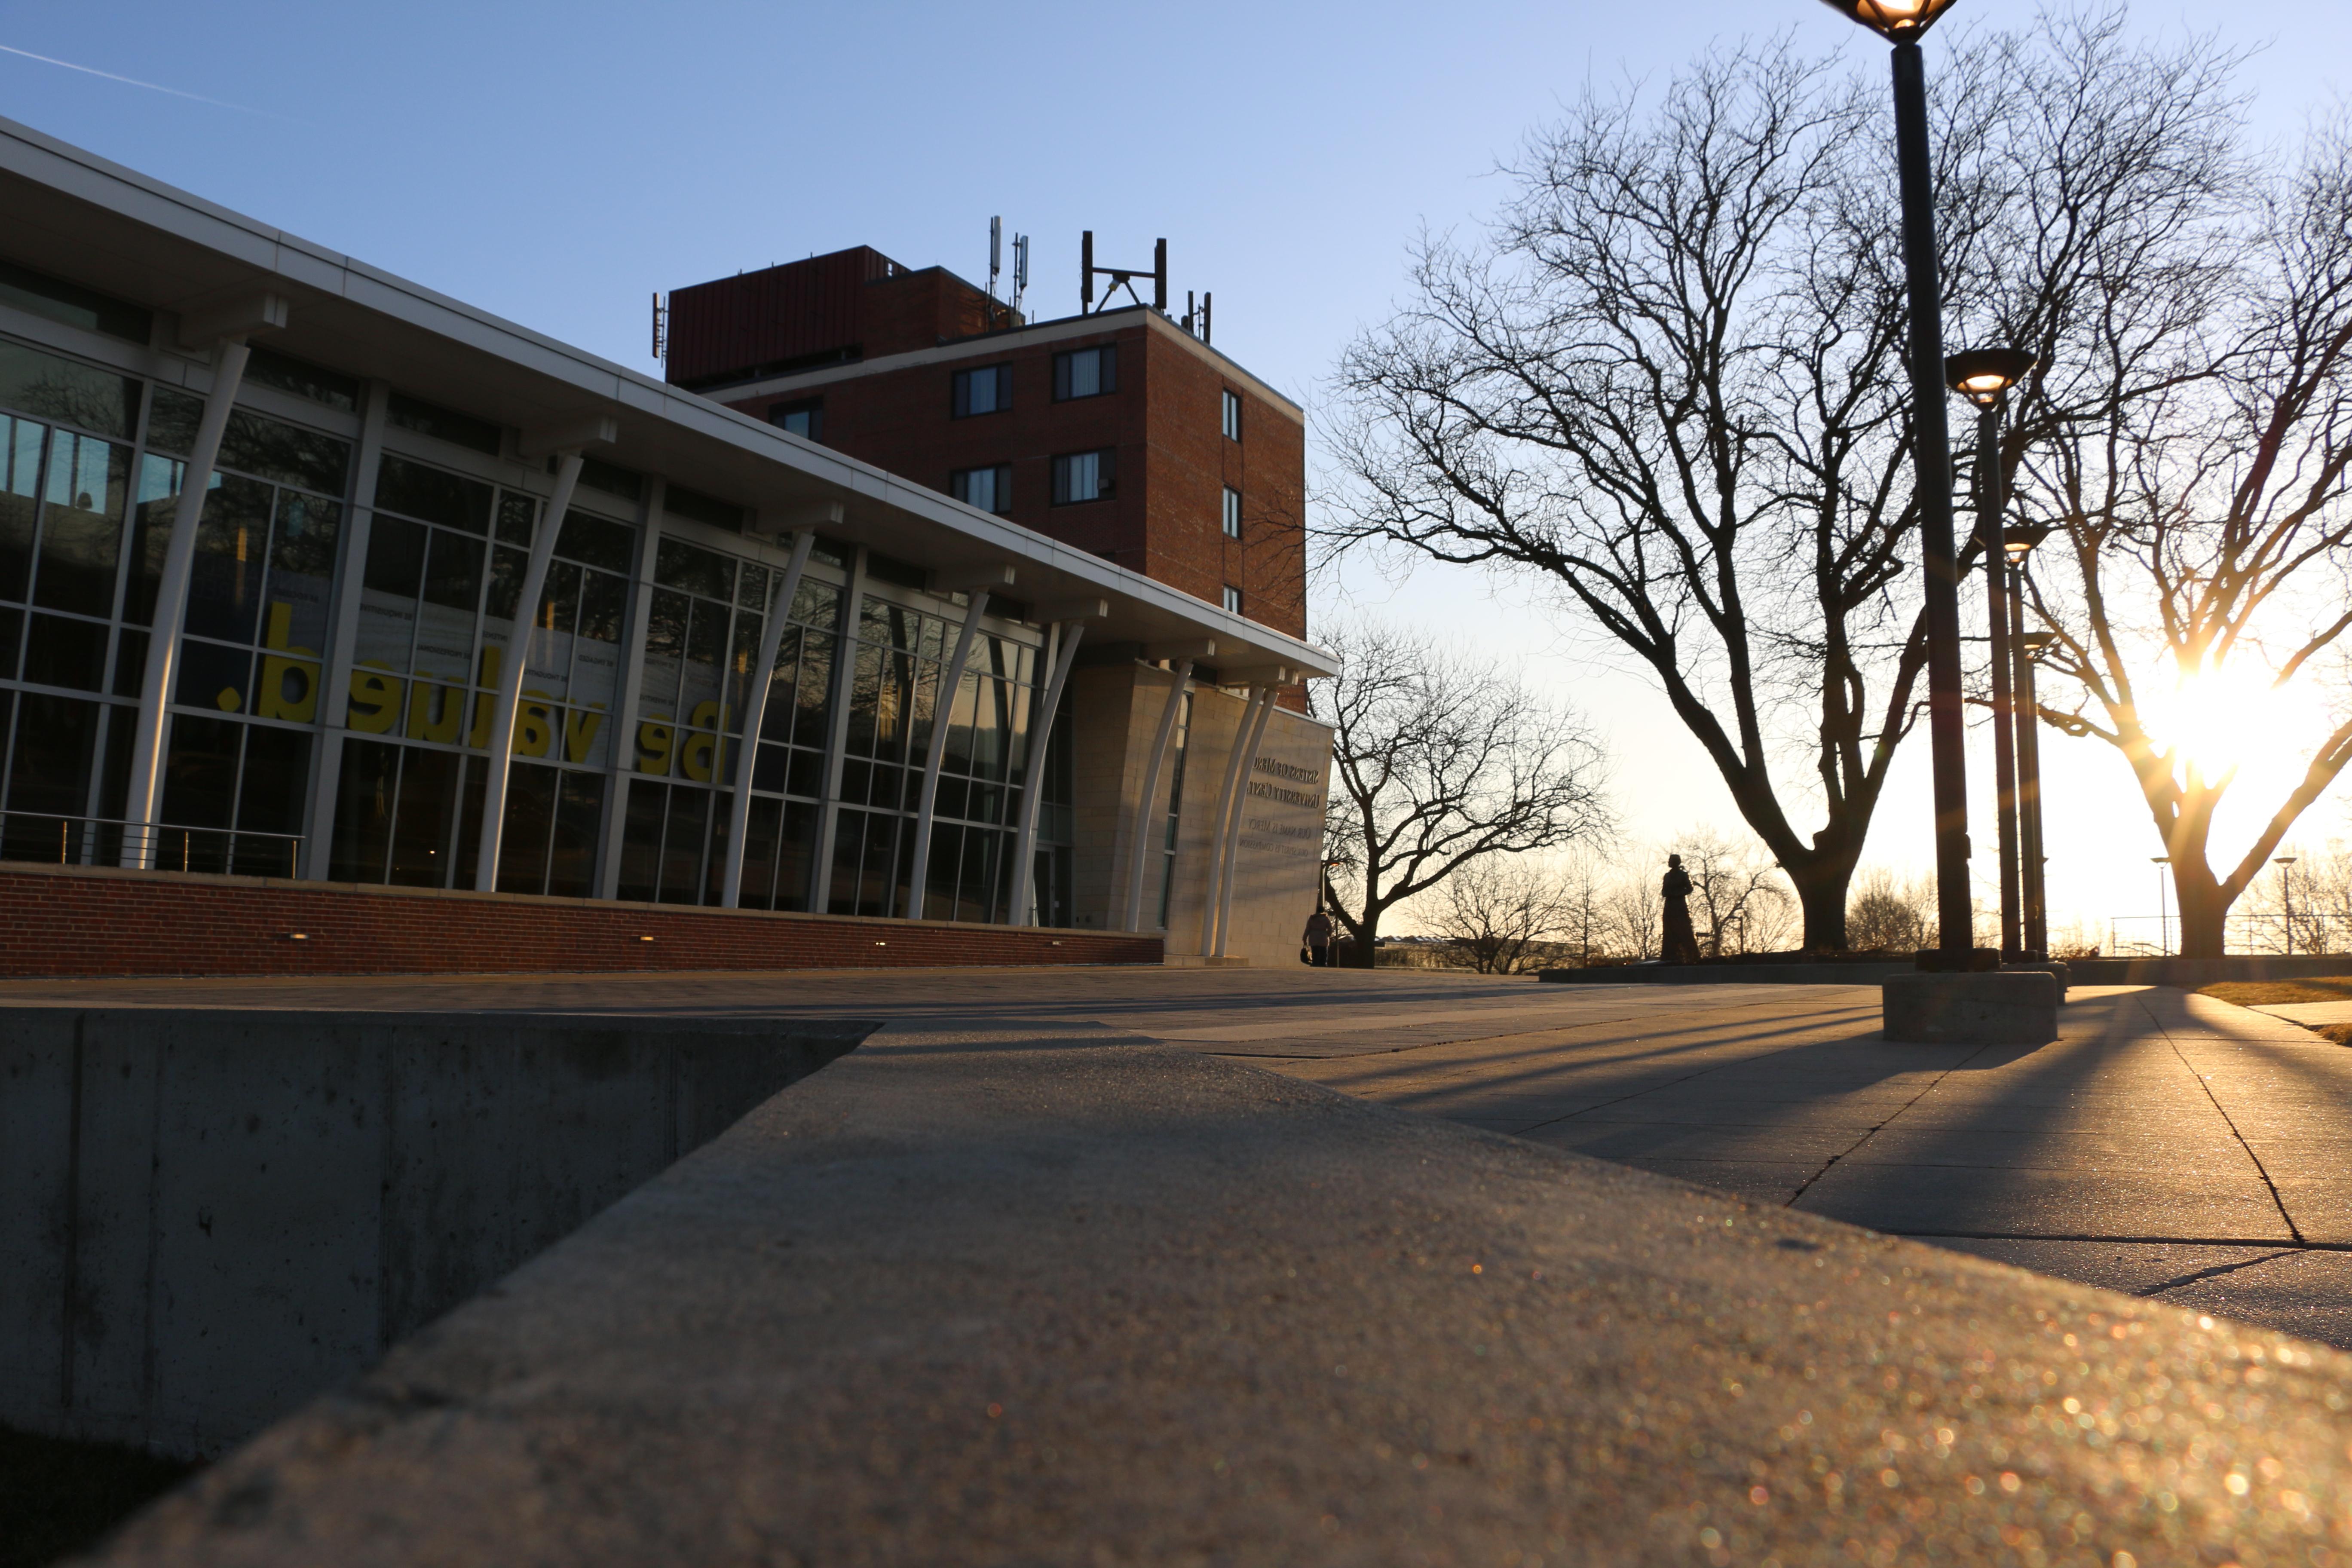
point(950, 690)
point(229, 355)
point(1234, 827)
point(633, 675)
point(1033, 780)
point(1225, 808)
point(335, 669)
point(509, 699)
point(1147, 830)
point(771, 639)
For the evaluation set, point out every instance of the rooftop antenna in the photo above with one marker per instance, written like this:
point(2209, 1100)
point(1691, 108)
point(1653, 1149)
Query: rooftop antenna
point(661, 329)
point(1120, 278)
point(1020, 269)
point(995, 253)
point(1196, 316)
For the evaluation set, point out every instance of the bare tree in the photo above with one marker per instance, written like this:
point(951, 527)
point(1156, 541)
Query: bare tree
point(1439, 760)
point(2208, 520)
point(1669, 381)
point(1496, 911)
point(1890, 913)
point(1738, 903)
point(1634, 916)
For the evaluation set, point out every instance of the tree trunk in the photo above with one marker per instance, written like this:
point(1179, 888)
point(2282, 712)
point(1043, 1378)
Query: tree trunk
point(1821, 894)
point(2203, 912)
point(1363, 934)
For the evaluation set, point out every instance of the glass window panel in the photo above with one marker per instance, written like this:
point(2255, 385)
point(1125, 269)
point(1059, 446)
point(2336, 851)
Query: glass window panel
point(61, 652)
point(443, 424)
point(760, 823)
point(508, 568)
point(232, 558)
point(12, 636)
point(388, 595)
point(256, 444)
point(301, 573)
point(81, 525)
point(807, 777)
point(368, 785)
point(20, 489)
point(453, 572)
point(130, 656)
point(706, 652)
point(666, 625)
point(598, 542)
point(469, 821)
point(425, 816)
point(641, 837)
point(604, 605)
point(769, 772)
point(200, 772)
point(683, 841)
point(53, 388)
point(432, 495)
point(270, 795)
point(41, 295)
point(445, 611)
point(531, 819)
point(817, 605)
point(689, 567)
point(548, 672)
point(303, 379)
point(751, 588)
point(208, 675)
point(578, 821)
point(813, 721)
point(736, 701)
point(516, 513)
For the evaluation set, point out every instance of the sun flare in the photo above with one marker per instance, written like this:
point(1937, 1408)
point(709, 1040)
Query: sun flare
point(2227, 719)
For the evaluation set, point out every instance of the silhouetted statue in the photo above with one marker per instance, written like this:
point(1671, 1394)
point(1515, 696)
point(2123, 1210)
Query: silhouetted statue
point(1681, 940)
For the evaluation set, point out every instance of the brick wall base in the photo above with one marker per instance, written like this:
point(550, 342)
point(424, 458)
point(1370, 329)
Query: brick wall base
point(80, 920)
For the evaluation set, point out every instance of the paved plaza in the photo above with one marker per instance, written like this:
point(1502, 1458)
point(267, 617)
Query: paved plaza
point(2168, 1145)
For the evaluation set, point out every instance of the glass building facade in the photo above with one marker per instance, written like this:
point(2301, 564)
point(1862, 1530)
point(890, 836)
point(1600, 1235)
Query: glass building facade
point(353, 605)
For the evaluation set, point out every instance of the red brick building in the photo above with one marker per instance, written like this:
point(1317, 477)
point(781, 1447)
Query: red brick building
point(1119, 432)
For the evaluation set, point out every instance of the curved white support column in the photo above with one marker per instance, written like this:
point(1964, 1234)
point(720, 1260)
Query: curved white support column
point(1233, 826)
point(1226, 807)
point(509, 698)
point(747, 749)
point(1146, 841)
point(942, 715)
point(146, 801)
point(1032, 780)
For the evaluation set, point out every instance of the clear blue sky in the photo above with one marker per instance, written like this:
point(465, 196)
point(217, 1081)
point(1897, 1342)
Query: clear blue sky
point(558, 163)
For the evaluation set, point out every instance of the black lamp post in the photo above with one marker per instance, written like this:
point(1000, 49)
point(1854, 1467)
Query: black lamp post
point(1984, 376)
point(1901, 23)
point(2031, 856)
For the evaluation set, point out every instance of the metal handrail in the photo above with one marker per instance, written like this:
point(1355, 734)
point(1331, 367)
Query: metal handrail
point(63, 839)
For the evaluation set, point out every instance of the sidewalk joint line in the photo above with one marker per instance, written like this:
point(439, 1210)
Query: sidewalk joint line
point(1882, 1127)
point(2213, 1273)
point(2261, 1169)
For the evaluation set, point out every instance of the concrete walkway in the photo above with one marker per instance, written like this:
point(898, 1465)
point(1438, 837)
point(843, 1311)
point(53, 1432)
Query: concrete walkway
point(1054, 1294)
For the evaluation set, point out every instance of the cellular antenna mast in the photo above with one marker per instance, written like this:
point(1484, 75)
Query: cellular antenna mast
point(995, 253)
point(1120, 278)
point(1020, 269)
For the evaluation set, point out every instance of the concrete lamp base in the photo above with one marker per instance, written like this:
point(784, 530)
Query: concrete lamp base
point(2008, 1008)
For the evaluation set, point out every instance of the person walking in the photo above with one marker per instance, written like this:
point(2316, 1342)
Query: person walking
point(1681, 940)
point(1318, 939)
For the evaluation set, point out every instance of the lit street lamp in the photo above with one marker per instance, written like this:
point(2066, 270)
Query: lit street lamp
point(1984, 376)
point(1901, 23)
point(2028, 647)
point(2286, 898)
point(2163, 910)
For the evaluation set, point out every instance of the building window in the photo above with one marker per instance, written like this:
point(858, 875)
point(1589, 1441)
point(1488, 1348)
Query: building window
point(1085, 475)
point(1232, 419)
point(1232, 600)
point(804, 419)
point(984, 391)
point(1233, 512)
point(1085, 372)
point(989, 489)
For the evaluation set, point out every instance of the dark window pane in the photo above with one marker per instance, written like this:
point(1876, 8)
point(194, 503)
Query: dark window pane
point(269, 800)
point(641, 836)
point(795, 854)
point(50, 770)
point(680, 502)
point(301, 572)
point(232, 552)
point(130, 657)
point(530, 817)
point(302, 379)
point(559, 600)
point(769, 772)
point(759, 824)
point(469, 822)
point(60, 652)
point(363, 805)
point(54, 388)
point(453, 571)
point(75, 306)
point(604, 605)
point(433, 495)
point(200, 775)
point(425, 818)
point(20, 489)
point(443, 424)
point(207, 675)
point(599, 542)
point(613, 481)
point(678, 564)
point(807, 774)
point(81, 525)
point(579, 823)
point(507, 570)
point(287, 453)
point(516, 513)
point(683, 841)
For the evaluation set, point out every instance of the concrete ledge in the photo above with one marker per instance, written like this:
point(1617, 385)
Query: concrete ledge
point(1062, 1301)
point(210, 1215)
point(2195, 972)
point(2002, 1008)
point(1861, 973)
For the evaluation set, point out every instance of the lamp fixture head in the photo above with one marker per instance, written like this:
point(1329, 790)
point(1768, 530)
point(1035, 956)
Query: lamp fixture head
point(1981, 375)
point(2033, 643)
point(1898, 21)
point(2017, 541)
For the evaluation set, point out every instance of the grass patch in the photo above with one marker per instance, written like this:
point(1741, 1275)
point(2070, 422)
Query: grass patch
point(2268, 992)
point(58, 1497)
